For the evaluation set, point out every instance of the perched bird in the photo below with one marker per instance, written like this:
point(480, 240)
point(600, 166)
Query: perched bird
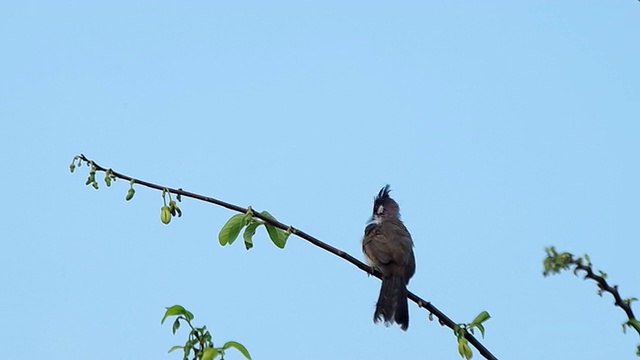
point(388, 247)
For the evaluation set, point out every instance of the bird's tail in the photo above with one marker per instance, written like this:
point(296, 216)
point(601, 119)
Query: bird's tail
point(392, 303)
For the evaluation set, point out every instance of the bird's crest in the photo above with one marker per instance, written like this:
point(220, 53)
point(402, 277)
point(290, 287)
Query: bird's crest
point(382, 201)
point(384, 193)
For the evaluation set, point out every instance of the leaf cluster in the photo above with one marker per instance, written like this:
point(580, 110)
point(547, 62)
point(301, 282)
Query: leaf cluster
point(460, 330)
point(199, 344)
point(232, 228)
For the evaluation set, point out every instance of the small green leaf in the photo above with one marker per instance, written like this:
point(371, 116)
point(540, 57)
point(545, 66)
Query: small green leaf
point(176, 310)
point(463, 348)
point(481, 328)
point(482, 317)
point(249, 231)
point(231, 229)
point(176, 347)
point(188, 347)
point(176, 326)
point(209, 353)
point(239, 347)
point(277, 236)
point(467, 351)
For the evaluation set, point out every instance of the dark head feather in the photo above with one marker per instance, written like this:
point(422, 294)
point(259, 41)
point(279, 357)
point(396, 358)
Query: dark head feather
point(384, 192)
point(384, 206)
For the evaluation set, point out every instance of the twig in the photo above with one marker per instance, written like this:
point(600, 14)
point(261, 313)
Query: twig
point(442, 318)
point(556, 262)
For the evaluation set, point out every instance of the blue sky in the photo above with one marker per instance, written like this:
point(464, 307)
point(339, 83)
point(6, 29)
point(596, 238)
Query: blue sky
point(502, 127)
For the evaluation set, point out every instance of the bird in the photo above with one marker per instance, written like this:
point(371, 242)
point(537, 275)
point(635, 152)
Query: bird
point(388, 247)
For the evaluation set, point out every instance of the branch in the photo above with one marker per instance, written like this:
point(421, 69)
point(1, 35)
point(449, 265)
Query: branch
point(442, 318)
point(556, 262)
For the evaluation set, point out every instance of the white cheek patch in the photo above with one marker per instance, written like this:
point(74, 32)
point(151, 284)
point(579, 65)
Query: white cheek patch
point(380, 210)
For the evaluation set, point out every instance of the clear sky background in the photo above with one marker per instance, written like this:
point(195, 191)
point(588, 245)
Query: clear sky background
point(502, 126)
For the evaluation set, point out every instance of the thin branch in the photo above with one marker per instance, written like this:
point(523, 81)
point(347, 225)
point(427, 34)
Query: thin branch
point(442, 318)
point(556, 262)
point(604, 286)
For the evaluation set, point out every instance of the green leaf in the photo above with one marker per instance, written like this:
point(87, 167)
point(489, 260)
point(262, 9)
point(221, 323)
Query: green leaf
point(209, 353)
point(188, 347)
point(231, 229)
point(277, 236)
point(176, 347)
point(249, 231)
point(482, 317)
point(176, 325)
point(239, 347)
point(481, 328)
point(176, 310)
point(461, 347)
point(467, 351)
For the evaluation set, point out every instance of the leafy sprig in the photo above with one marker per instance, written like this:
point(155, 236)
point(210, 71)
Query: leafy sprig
point(555, 262)
point(199, 341)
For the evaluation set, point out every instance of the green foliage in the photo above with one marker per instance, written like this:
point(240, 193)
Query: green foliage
point(249, 231)
point(199, 343)
point(232, 228)
point(556, 262)
point(460, 331)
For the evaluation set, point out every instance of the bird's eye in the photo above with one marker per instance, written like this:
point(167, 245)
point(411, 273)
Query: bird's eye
point(380, 210)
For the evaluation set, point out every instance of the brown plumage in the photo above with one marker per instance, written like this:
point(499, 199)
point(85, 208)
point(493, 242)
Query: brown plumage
point(388, 247)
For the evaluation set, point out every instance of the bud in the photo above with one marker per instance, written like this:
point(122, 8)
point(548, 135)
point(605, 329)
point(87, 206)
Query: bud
point(130, 194)
point(165, 215)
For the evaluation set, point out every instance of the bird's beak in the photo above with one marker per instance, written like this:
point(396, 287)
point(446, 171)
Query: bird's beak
point(374, 219)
